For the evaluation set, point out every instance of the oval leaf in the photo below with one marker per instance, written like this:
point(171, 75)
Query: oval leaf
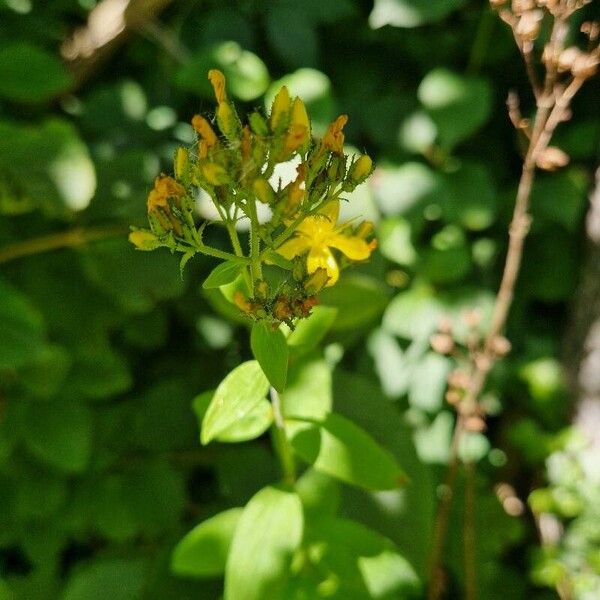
point(237, 396)
point(30, 74)
point(309, 332)
point(203, 551)
point(249, 427)
point(271, 351)
point(222, 274)
point(340, 448)
point(268, 533)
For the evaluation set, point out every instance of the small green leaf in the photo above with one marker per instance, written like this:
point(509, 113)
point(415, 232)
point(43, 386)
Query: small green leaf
point(203, 551)
point(458, 105)
point(30, 74)
point(237, 396)
point(184, 261)
point(410, 13)
point(271, 351)
point(268, 533)
point(249, 427)
point(222, 274)
point(309, 332)
point(60, 434)
point(359, 300)
point(338, 447)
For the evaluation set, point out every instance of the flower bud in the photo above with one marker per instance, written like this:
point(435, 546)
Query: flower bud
point(204, 130)
point(214, 173)
point(361, 169)
point(143, 240)
point(333, 139)
point(181, 163)
point(217, 80)
point(258, 124)
point(296, 137)
point(263, 190)
point(280, 110)
point(228, 121)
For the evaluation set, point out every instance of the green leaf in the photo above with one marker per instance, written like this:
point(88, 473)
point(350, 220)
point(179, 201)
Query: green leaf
point(271, 351)
point(136, 281)
point(458, 105)
point(222, 274)
point(359, 300)
point(367, 564)
point(116, 579)
point(308, 392)
point(30, 74)
point(237, 396)
point(428, 382)
point(267, 534)
point(309, 332)
point(410, 13)
point(338, 447)
point(49, 166)
point(21, 326)
point(203, 551)
point(248, 427)
point(60, 434)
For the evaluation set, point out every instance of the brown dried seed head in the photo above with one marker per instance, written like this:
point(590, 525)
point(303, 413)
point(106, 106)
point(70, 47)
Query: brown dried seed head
point(521, 6)
point(458, 379)
point(476, 424)
point(442, 343)
point(528, 26)
point(567, 58)
point(445, 325)
point(453, 397)
point(471, 318)
point(552, 158)
point(585, 66)
point(501, 346)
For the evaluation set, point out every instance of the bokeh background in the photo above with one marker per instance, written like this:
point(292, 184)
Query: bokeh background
point(103, 348)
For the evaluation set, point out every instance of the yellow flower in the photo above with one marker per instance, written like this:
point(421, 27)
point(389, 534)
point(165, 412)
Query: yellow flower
point(217, 80)
point(334, 136)
point(317, 235)
point(165, 187)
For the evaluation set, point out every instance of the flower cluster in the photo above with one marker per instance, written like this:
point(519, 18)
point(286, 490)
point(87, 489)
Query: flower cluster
point(301, 248)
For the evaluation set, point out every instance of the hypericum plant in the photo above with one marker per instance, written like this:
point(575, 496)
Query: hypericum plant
point(278, 545)
point(290, 257)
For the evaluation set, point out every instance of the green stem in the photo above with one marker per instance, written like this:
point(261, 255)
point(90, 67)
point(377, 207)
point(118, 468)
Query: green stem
point(255, 258)
point(64, 239)
point(280, 440)
point(237, 248)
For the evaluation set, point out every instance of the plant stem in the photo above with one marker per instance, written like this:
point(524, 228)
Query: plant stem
point(469, 533)
point(255, 267)
point(280, 440)
point(552, 106)
point(63, 239)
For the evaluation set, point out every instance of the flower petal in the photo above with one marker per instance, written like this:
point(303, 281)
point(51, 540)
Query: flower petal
point(295, 246)
point(321, 257)
point(354, 248)
point(331, 212)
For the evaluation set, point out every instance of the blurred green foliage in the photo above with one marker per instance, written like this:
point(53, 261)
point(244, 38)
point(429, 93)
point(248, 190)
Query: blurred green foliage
point(103, 349)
